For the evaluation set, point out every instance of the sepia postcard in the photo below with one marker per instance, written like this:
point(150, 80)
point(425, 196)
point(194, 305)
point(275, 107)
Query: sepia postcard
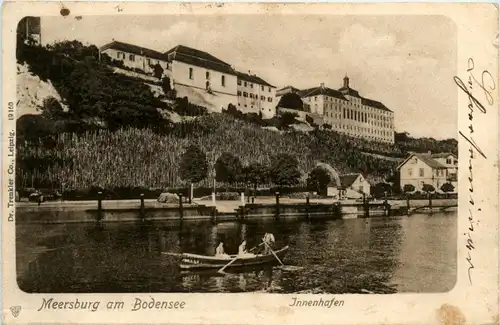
point(250, 163)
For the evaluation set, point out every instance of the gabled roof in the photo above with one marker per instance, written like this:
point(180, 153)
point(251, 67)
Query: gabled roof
point(253, 78)
point(443, 155)
point(316, 91)
point(198, 58)
point(426, 158)
point(348, 179)
point(134, 49)
point(365, 101)
point(293, 89)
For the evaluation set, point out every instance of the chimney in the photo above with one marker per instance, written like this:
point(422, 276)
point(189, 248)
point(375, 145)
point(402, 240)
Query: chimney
point(322, 85)
point(249, 72)
point(346, 81)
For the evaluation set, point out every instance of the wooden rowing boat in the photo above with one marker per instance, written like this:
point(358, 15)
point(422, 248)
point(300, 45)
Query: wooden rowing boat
point(195, 261)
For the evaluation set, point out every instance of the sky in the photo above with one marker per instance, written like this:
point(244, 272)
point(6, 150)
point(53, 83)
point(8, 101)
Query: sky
point(405, 62)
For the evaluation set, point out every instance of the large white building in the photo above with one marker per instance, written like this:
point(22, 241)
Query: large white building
point(256, 95)
point(205, 79)
point(347, 111)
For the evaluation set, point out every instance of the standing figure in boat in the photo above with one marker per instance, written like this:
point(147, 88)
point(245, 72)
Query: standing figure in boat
point(219, 251)
point(269, 241)
point(242, 250)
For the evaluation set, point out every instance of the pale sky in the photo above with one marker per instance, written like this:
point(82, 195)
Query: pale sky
point(406, 62)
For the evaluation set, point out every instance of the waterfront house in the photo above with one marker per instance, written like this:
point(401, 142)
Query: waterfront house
point(427, 168)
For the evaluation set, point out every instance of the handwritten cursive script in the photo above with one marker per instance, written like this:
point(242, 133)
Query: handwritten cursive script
point(486, 86)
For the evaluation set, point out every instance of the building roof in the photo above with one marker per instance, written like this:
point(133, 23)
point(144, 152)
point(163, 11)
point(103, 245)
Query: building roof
point(253, 78)
point(348, 179)
point(293, 89)
point(199, 58)
point(321, 90)
point(365, 101)
point(426, 158)
point(443, 155)
point(134, 49)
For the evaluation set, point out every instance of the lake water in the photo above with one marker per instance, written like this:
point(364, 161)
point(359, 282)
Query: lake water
point(381, 255)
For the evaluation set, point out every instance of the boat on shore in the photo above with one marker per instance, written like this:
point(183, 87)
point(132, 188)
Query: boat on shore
point(196, 262)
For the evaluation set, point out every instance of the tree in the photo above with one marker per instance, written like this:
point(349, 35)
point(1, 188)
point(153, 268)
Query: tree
point(228, 168)
point(428, 188)
point(287, 118)
point(447, 188)
point(292, 101)
point(193, 166)
point(381, 189)
point(318, 179)
point(165, 85)
point(284, 170)
point(255, 174)
point(51, 108)
point(408, 188)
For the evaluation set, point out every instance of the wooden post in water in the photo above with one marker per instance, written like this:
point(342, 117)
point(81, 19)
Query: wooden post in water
point(181, 209)
point(407, 204)
point(99, 206)
point(243, 205)
point(430, 200)
point(366, 206)
point(142, 211)
point(277, 204)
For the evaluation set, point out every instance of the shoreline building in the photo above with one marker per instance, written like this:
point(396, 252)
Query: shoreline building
point(347, 111)
point(427, 168)
point(201, 77)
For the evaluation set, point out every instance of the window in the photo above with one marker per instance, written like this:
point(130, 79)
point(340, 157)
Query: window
point(262, 97)
point(245, 84)
point(251, 85)
point(223, 81)
point(191, 73)
point(245, 94)
point(421, 172)
point(269, 99)
point(239, 82)
point(269, 89)
point(207, 75)
point(262, 88)
point(120, 54)
point(315, 97)
point(148, 61)
point(131, 57)
point(448, 161)
point(239, 93)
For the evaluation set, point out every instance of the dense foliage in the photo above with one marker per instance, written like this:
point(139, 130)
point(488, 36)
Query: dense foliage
point(193, 166)
point(318, 179)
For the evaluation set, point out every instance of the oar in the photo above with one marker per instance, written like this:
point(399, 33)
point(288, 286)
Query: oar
point(221, 270)
point(273, 253)
point(172, 254)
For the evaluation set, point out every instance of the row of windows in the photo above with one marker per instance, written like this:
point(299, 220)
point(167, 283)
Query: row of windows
point(421, 172)
point(207, 76)
point(249, 84)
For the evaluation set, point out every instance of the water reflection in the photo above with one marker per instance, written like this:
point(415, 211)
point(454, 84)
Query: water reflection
point(415, 254)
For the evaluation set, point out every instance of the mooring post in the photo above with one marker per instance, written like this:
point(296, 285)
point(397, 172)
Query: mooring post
point(142, 211)
point(307, 207)
point(214, 214)
point(430, 200)
point(277, 204)
point(99, 206)
point(181, 209)
point(242, 212)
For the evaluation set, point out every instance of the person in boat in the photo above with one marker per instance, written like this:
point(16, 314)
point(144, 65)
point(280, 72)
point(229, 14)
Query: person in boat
point(242, 250)
point(269, 241)
point(219, 251)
